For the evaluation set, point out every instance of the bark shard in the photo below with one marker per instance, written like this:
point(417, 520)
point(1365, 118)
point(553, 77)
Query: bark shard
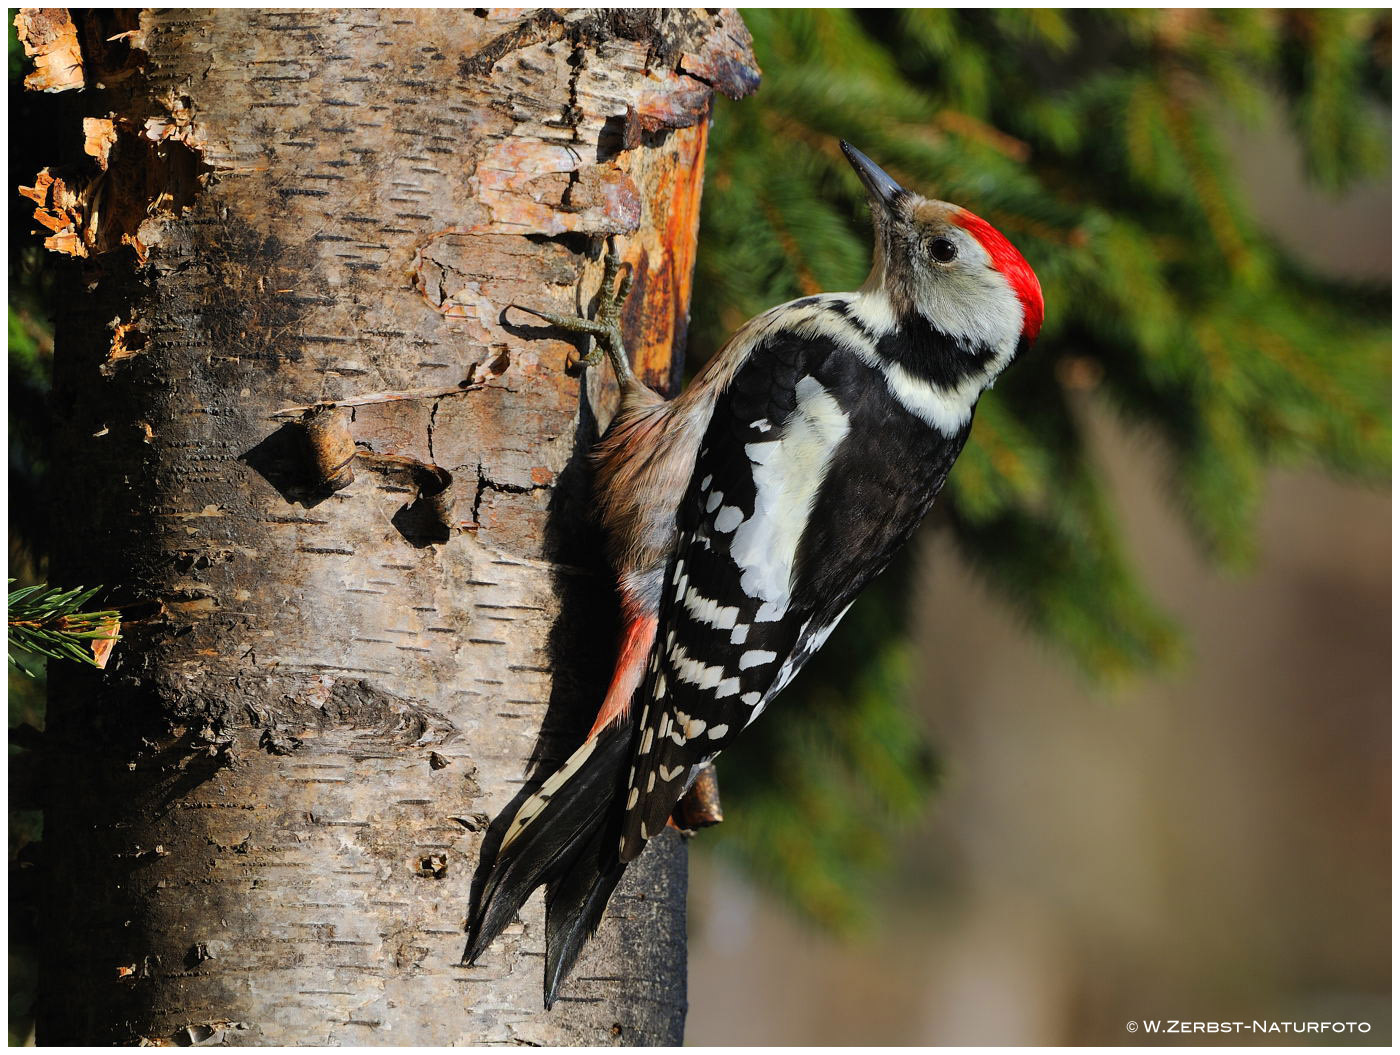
point(50, 38)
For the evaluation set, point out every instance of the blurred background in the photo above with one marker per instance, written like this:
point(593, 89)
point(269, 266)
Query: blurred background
point(1112, 741)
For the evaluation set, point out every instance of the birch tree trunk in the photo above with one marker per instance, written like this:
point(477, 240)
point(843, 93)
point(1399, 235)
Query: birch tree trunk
point(352, 626)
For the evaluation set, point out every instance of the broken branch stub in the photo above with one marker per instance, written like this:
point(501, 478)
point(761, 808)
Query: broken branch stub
point(700, 806)
point(331, 446)
point(430, 517)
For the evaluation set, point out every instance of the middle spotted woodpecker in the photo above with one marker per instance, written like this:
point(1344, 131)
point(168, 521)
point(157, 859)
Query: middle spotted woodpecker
point(745, 516)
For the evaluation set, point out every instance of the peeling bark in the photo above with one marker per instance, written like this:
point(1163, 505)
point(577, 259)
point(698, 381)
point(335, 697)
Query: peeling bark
point(145, 176)
point(352, 628)
point(50, 38)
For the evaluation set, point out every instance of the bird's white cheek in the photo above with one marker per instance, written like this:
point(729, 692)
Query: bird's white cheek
point(977, 308)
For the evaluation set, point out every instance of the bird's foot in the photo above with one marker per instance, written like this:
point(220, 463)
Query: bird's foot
point(605, 327)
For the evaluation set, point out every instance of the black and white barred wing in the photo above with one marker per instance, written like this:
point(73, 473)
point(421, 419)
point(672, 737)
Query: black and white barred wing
point(731, 634)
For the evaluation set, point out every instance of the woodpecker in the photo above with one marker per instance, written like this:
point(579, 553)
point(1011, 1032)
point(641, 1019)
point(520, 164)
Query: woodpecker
point(743, 518)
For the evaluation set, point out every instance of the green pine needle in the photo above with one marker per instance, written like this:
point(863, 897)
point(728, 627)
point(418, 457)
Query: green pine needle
point(47, 621)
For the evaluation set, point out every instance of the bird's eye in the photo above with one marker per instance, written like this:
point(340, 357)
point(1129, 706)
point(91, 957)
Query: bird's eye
point(943, 250)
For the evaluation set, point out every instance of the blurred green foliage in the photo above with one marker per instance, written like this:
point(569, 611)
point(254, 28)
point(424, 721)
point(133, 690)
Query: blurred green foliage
point(1092, 140)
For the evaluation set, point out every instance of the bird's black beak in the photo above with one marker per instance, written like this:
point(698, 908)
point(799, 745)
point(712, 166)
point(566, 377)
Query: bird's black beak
point(877, 181)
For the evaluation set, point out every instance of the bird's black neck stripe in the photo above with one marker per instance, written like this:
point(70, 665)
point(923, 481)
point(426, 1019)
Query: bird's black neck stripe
point(932, 355)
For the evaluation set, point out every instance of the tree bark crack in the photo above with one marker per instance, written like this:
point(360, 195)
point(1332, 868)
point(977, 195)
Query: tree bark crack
point(485, 483)
point(432, 424)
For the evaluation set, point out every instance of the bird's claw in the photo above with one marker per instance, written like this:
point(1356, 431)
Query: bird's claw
point(613, 293)
point(605, 326)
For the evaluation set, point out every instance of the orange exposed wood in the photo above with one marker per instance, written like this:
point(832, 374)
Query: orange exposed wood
point(51, 39)
point(61, 210)
point(662, 255)
point(99, 135)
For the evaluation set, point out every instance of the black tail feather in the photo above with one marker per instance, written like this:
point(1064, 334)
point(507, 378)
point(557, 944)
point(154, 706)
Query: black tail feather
point(574, 906)
point(561, 844)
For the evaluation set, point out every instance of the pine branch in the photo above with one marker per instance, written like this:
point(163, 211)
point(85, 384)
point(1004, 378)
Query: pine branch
point(47, 621)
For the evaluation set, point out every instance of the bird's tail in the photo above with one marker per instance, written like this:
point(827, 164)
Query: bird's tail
point(560, 836)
